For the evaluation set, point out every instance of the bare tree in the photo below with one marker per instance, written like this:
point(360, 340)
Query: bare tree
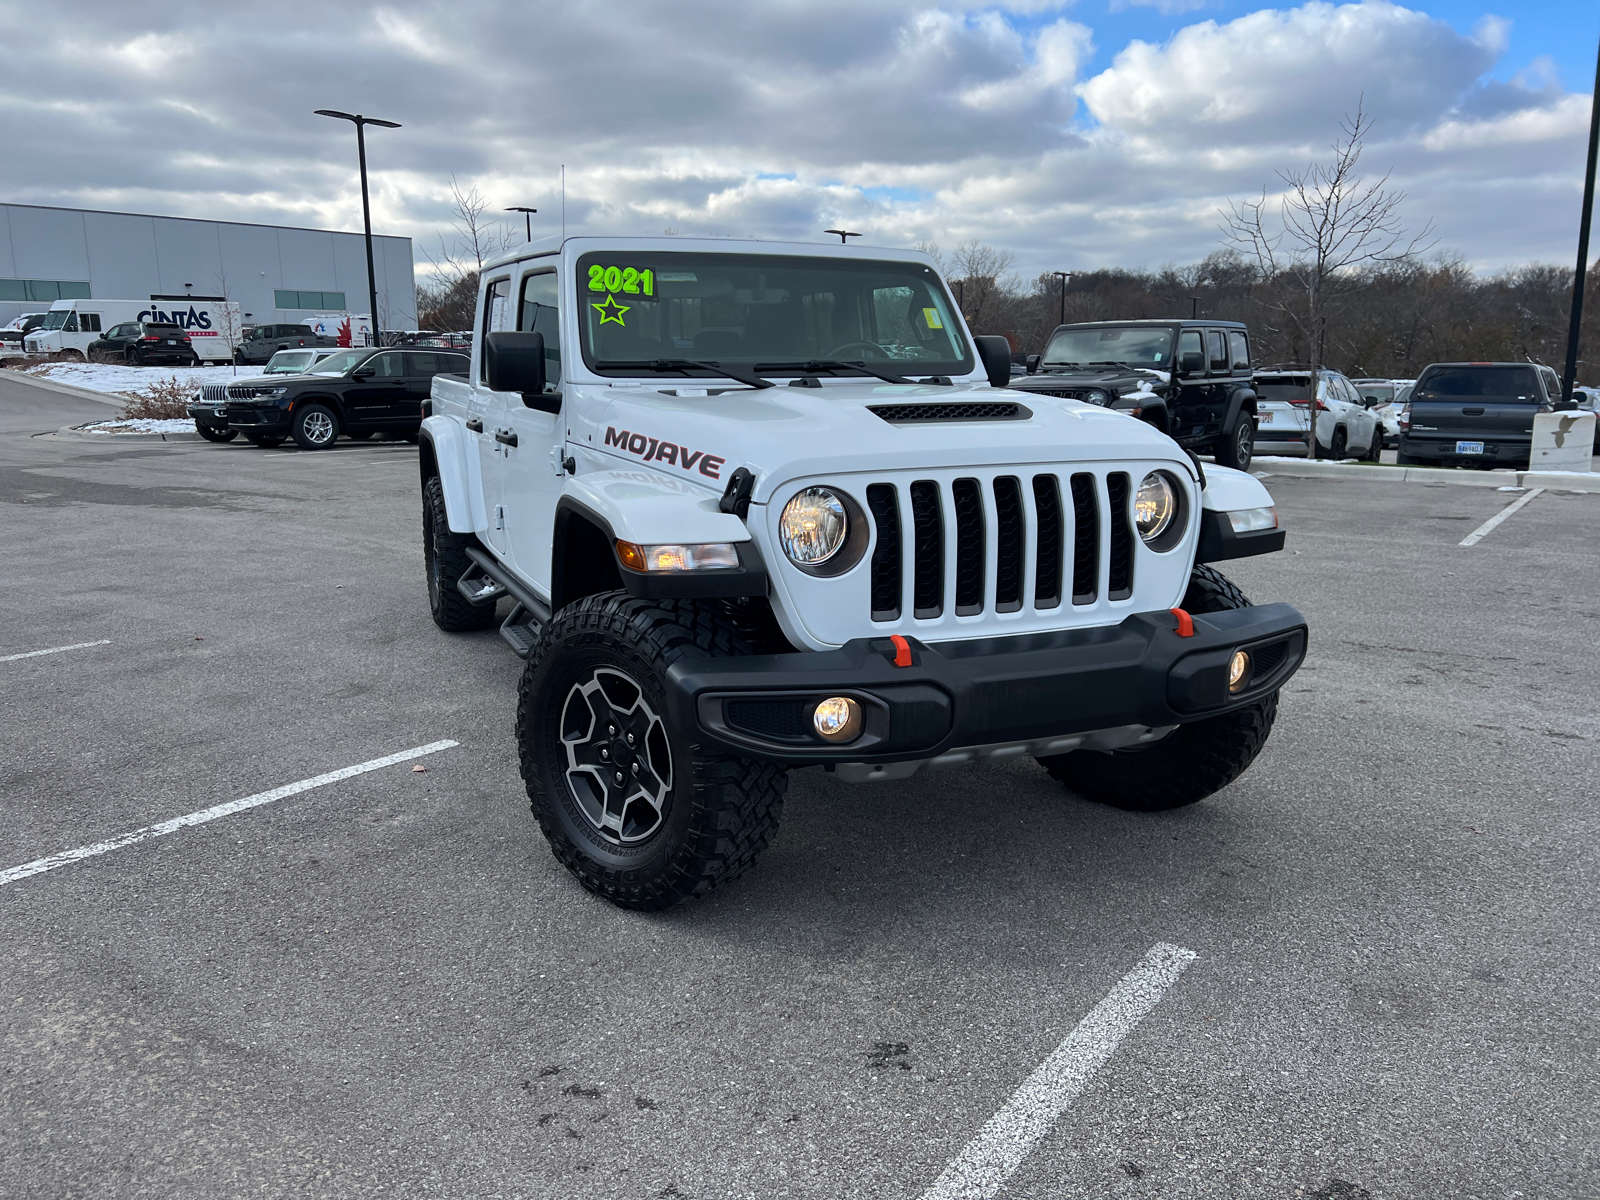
point(1318, 243)
point(447, 302)
point(983, 281)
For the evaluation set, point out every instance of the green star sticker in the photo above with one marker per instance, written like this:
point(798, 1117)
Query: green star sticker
point(611, 311)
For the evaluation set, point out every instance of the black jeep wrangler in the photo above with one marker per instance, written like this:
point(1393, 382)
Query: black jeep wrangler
point(1190, 379)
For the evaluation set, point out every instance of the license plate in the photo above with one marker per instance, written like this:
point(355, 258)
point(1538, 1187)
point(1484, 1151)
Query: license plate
point(172, 342)
point(1266, 418)
point(1469, 447)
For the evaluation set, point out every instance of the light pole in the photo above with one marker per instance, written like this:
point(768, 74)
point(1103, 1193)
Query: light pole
point(527, 217)
point(1583, 246)
point(361, 123)
point(1063, 276)
point(843, 234)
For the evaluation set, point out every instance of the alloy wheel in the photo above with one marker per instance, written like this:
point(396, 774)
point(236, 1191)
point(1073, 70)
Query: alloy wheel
point(619, 761)
point(318, 428)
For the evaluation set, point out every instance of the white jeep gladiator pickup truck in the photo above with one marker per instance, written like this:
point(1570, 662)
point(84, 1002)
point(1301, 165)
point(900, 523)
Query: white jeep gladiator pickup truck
point(756, 506)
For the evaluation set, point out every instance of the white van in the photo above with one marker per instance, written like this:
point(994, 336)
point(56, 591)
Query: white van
point(212, 325)
point(334, 324)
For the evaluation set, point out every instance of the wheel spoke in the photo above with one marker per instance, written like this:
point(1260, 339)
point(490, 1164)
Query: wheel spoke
point(618, 757)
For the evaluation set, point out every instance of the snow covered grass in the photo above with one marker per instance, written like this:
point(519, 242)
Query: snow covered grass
point(141, 425)
point(120, 379)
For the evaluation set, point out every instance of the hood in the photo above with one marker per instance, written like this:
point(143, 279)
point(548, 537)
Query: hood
point(785, 433)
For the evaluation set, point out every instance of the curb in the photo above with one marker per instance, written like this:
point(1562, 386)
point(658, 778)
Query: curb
point(1578, 480)
point(111, 435)
point(65, 389)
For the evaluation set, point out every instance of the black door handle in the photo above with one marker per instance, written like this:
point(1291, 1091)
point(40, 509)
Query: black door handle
point(474, 424)
point(505, 437)
point(1472, 412)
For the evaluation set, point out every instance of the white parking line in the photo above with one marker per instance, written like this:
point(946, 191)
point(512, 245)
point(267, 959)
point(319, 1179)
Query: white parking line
point(1484, 530)
point(40, 865)
point(992, 1157)
point(55, 650)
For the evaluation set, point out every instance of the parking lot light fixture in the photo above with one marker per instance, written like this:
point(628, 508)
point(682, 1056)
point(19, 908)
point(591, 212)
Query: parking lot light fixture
point(527, 217)
point(361, 122)
point(1581, 277)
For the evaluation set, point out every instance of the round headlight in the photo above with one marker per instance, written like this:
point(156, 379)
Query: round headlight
point(813, 526)
point(1155, 505)
point(1095, 396)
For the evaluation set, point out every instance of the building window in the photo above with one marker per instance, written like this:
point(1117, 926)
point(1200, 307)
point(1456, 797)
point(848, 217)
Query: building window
point(316, 301)
point(43, 291)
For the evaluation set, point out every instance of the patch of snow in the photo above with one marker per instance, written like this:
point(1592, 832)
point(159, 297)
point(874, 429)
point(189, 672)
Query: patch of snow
point(141, 425)
point(1164, 376)
point(120, 379)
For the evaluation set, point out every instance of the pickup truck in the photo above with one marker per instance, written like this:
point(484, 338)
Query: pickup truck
point(753, 507)
point(1475, 414)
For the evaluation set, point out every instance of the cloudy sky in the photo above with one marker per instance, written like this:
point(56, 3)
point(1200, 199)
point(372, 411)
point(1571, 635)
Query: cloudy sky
point(1089, 133)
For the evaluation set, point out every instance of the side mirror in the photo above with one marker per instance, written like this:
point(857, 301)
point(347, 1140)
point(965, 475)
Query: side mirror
point(995, 354)
point(363, 373)
point(1192, 363)
point(1033, 363)
point(514, 362)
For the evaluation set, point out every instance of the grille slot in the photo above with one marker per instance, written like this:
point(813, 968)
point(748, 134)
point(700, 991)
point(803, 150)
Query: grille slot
point(782, 719)
point(1047, 569)
point(1119, 582)
point(1267, 658)
point(1010, 544)
point(887, 572)
point(1085, 539)
point(976, 410)
point(968, 498)
point(927, 576)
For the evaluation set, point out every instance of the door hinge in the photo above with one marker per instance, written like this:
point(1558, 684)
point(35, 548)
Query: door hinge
point(561, 463)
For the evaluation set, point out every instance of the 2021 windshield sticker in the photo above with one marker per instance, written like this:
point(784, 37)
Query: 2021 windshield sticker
point(630, 281)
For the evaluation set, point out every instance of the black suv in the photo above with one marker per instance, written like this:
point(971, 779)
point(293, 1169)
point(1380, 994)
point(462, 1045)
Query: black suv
point(353, 392)
point(1190, 379)
point(261, 342)
point(142, 342)
point(1475, 414)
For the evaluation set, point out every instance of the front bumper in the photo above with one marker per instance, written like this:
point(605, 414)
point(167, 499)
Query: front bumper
point(212, 416)
point(1022, 691)
point(244, 416)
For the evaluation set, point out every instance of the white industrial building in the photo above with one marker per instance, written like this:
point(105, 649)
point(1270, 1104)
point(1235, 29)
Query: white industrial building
point(275, 273)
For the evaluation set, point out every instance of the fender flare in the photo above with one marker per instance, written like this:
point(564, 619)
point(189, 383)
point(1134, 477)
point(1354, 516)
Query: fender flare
point(1228, 490)
point(1237, 399)
point(442, 450)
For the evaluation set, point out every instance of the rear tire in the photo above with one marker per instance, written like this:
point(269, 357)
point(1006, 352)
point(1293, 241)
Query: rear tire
point(358, 435)
point(682, 821)
point(444, 557)
point(1192, 761)
point(266, 441)
point(1411, 460)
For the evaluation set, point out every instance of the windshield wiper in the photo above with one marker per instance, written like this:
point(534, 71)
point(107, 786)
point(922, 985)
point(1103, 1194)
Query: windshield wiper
point(835, 364)
point(685, 365)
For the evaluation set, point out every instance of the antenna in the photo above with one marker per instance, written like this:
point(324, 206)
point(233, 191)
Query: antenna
point(843, 233)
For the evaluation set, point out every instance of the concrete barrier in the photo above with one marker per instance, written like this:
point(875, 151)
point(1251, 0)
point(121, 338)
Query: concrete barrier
point(1562, 441)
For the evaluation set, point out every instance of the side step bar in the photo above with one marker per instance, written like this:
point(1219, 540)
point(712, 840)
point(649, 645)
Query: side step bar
point(529, 615)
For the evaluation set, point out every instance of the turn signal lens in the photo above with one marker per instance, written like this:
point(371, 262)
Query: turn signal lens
point(837, 719)
point(1238, 671)
point(710, 556)
point(813, 526)
point(1253, 520)
point(1154, 505)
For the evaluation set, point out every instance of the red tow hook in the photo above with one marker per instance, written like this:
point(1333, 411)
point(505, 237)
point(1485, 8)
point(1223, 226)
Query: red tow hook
point(902, 650)
point(1185, 623)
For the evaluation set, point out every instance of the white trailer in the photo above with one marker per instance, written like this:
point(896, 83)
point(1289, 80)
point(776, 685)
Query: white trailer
point(71, 325)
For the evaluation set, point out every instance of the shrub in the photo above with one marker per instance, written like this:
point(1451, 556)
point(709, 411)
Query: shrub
point(166, 399)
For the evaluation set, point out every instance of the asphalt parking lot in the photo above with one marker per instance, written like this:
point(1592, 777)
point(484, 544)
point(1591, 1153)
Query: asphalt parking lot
point(386, 985)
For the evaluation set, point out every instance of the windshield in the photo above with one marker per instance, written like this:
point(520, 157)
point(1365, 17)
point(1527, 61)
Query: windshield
point(289, 362)
point(338, 364)
point(771, 313)
point(1135, 347)
point(56, 318)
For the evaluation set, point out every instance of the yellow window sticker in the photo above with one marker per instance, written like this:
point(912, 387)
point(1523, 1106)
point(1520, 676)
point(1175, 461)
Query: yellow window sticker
point(630, 281)
point(610, 310)
point(930, 317)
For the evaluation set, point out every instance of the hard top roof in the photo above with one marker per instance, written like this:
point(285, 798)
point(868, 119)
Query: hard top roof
point(581, 244)
point(1173, 322)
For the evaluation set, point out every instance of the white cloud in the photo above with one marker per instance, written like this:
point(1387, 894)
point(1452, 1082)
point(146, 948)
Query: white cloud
point(903, 117)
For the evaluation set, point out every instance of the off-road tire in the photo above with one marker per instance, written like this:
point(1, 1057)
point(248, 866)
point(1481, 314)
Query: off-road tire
point(1375, 451)
point(215, 435)
point(444, 557)
point(1238, 445)
point(720, 811)
point(266, 441)
point(1192, 761)
point(315, 427)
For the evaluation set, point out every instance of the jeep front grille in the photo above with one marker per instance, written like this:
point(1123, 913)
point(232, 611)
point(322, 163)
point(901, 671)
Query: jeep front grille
point(1017, 504)
point(214, 393)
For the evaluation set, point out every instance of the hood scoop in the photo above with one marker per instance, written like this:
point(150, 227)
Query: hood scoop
point(970, 410)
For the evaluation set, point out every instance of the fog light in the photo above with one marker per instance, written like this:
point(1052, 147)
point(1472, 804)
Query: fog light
point(1238, 671)
point(837, 719)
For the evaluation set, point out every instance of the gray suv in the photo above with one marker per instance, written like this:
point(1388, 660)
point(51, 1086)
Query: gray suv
point(260, 343)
